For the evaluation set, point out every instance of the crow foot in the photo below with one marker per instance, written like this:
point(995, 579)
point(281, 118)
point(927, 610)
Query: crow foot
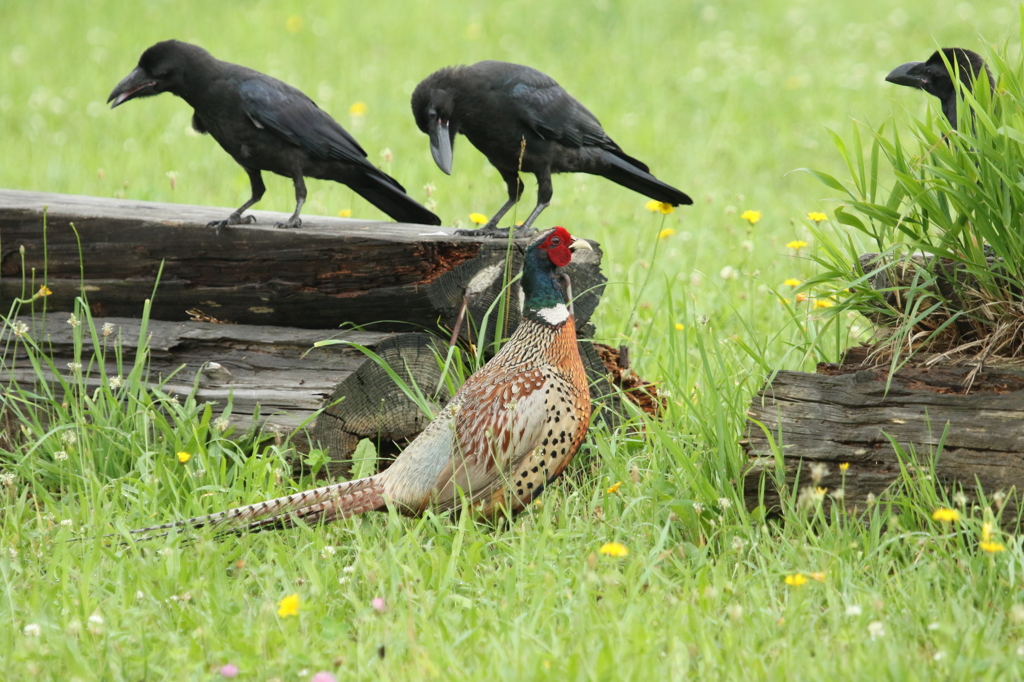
point(235, 218)
point(291, 223)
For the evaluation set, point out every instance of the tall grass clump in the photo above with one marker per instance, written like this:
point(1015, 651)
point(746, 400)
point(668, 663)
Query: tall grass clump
point(939, 212)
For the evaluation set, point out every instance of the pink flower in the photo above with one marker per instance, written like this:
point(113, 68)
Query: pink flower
point(378, 604)
point(229, 670)
point(323, 676)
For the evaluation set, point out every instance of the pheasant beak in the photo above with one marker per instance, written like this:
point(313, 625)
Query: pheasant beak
point(580, 245)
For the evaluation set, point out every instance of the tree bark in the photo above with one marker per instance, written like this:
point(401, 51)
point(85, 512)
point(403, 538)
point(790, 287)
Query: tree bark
point(395, 277)
point(851, 414)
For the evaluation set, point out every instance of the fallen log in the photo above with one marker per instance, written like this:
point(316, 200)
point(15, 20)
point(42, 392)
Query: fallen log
point(272, 377)
point(273, 382)
point(847, 414)
point(392, 276)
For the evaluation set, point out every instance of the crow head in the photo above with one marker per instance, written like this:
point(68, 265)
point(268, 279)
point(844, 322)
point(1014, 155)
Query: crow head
point(433, 105)
point(934, 78)
point(162, 68)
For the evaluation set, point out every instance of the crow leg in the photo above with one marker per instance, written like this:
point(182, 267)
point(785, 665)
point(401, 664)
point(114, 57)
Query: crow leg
point(258, 189)
point(491, 229)
point(544, 192)
point(300, 199)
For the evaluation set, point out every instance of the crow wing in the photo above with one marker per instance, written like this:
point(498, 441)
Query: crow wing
point(289, 113)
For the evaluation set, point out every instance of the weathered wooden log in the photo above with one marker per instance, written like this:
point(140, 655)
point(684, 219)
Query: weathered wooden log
point(848, 413)
point(274, 379)
point(393, 276)
point(272, 374)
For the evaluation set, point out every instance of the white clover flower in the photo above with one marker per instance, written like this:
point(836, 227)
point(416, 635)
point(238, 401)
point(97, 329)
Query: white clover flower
point(32, 630)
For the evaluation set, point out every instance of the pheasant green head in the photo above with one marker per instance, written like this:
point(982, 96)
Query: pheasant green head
point(544, 300)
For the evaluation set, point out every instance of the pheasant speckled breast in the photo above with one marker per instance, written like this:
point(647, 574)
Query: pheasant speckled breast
point(510, 430)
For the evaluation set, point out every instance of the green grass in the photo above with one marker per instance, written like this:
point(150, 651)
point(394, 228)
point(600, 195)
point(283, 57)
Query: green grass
point(723, 101)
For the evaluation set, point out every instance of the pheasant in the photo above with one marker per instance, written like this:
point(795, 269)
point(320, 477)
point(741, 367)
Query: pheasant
point(509, 431)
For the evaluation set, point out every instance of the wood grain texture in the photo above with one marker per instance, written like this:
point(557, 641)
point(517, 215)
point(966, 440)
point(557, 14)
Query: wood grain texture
point(845, 413)
point(331, 271)
point(271, 371)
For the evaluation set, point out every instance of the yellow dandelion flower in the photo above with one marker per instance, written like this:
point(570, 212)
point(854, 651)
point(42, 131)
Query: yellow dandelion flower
point(614, 487)
point(823, 303)
point(844, 467)
point(289, 606)
point(656, 206)
point(294, 23)
point(184, 456)
point(680, 326)
point(992, 547)
point(345, 213)
point(478, 218)
point(793, 282)
point(819, 576)
point(943, 514)
point(816, 216)
point(986, 532)
point(358, 109)
point(614, 549)
point(751, 216)
point(800, 298)
point(796, 580)
point(43, 292)
point(796, 244)
point(666, 233)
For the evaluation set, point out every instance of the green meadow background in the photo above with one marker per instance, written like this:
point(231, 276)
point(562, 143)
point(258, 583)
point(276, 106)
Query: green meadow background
point(725, 100)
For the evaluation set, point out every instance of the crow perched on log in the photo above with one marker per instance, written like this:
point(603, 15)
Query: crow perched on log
point(522, 120)
point(265, 125)
point(934, 78)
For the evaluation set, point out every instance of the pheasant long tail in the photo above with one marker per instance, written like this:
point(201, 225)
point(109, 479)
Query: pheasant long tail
point(330, 502)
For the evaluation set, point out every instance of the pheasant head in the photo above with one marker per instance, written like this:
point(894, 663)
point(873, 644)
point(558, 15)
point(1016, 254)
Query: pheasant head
point(544, 301)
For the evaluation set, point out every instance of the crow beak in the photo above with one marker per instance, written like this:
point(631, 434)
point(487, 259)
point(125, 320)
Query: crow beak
point(908, 74)
point(135, 84)
point(441, 145)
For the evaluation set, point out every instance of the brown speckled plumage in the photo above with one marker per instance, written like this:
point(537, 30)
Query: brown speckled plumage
point(509, 431)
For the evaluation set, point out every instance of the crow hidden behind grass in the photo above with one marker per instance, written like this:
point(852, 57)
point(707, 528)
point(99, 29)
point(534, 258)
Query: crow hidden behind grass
point(934, 77)
point(509, 431)
point(522, 120)
point(265, 125)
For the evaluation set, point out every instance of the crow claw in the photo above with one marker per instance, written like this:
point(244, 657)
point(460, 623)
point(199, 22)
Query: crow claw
point(233, 219)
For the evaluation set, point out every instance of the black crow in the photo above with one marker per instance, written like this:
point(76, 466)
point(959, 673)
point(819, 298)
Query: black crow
point(265, 125)
point(934, 78)
point(522, 120)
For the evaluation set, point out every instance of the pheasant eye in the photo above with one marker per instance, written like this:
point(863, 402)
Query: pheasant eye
point(555, 241)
